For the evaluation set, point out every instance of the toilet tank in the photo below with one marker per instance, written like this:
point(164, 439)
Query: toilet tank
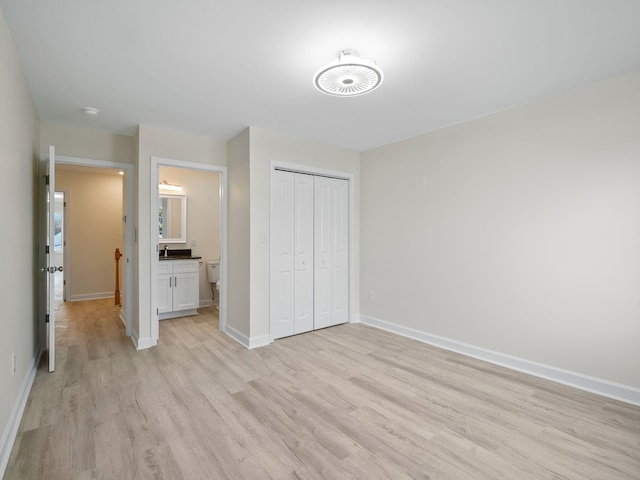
point(213, 270)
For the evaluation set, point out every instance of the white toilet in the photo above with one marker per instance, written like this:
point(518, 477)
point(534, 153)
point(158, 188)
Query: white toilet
point(213, 272)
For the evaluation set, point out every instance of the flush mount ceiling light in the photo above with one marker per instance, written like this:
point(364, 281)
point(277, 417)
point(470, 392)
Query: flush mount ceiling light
point(90, 111)
point(349, 75)
point(169, 188)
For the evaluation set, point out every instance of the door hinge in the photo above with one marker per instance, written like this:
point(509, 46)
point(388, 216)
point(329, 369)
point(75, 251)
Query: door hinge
point(47, 249)
point(157, 311)
point(47, 318)
point(64, 204)
point(124, 219)
point(46, 179)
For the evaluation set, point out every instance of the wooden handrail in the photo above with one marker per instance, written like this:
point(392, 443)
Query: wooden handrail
point(118, 255)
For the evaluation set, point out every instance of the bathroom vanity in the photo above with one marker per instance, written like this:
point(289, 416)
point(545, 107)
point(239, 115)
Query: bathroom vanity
point(178, 286)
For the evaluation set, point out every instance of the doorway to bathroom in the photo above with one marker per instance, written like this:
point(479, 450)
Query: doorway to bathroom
point(189, 201)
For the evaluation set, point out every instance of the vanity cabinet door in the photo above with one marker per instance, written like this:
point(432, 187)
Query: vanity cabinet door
point(186, 280)
point(185, 291)
point(165, 302)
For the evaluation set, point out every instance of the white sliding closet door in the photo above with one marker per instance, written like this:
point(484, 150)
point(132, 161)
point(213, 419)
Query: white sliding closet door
point(331, 252)
point(291, 297)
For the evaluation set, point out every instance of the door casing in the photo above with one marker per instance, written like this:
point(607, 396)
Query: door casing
point(156, 162)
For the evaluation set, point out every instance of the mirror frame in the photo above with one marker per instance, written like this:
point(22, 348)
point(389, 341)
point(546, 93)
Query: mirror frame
point(183, 227)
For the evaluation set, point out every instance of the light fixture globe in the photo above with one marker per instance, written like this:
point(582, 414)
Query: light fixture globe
point(349, 75)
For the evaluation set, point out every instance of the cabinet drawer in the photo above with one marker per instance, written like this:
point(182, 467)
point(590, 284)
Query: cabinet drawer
point(164, 267)
point(185, 266)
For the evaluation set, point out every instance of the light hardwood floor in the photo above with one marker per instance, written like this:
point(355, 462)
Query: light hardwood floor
point(344, 402)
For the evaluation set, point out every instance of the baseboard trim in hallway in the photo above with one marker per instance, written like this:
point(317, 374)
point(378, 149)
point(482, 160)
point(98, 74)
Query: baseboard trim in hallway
point(11, 430)
point(616, 391)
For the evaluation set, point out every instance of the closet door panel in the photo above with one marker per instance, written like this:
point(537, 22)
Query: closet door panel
point(282, 266)
point(322, 256)
point(331, 251)
point(303, 240)
point(340, 251)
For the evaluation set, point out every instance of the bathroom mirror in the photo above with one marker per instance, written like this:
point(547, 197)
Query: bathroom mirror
point(172, 219)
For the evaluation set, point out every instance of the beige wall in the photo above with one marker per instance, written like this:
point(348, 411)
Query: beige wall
point(267, 146)
point(238, 226)
point(87, 143)
point(202, 190)
point(93, 231)
point(524, 239)
point(155, 141)
point(19, 131)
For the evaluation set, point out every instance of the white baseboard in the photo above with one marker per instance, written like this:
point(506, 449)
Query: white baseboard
point(141, 342)
point(90, 296)
point(242, 339)
point(598, 386)
point(11, 430)
point(262, 341)
point(123, 318)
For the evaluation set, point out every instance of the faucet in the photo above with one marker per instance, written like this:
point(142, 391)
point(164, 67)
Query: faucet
point(166, 251)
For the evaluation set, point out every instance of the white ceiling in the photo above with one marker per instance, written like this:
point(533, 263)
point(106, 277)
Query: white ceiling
point(217, 66)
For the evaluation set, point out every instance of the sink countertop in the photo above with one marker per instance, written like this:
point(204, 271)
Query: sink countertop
point(178, 254)
point(179, 257)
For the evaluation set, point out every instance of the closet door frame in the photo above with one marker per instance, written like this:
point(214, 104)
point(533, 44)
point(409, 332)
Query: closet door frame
point(350, 177)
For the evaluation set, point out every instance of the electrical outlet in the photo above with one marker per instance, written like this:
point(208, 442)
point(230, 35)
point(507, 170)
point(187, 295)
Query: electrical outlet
point(194, 243)
point(13, 364)
point(372, 295)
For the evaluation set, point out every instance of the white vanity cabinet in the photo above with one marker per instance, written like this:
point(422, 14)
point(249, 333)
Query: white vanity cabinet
point(178, 288)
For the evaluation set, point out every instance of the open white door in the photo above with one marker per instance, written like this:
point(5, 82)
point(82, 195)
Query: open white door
point(47, 232)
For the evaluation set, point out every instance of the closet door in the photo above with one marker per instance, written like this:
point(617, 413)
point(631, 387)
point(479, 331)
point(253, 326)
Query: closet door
point(281, 234)
point(291, 225)
point(331, 252)
point(303, 254)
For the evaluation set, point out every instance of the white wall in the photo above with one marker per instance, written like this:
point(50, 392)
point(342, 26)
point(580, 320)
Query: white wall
point(268, 146)
point(93, 231)
point(155, 141)
point(19, 131)
point(525, 238)
point(202, 190)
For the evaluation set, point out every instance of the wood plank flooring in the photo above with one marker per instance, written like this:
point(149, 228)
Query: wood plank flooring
point(349, 402)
